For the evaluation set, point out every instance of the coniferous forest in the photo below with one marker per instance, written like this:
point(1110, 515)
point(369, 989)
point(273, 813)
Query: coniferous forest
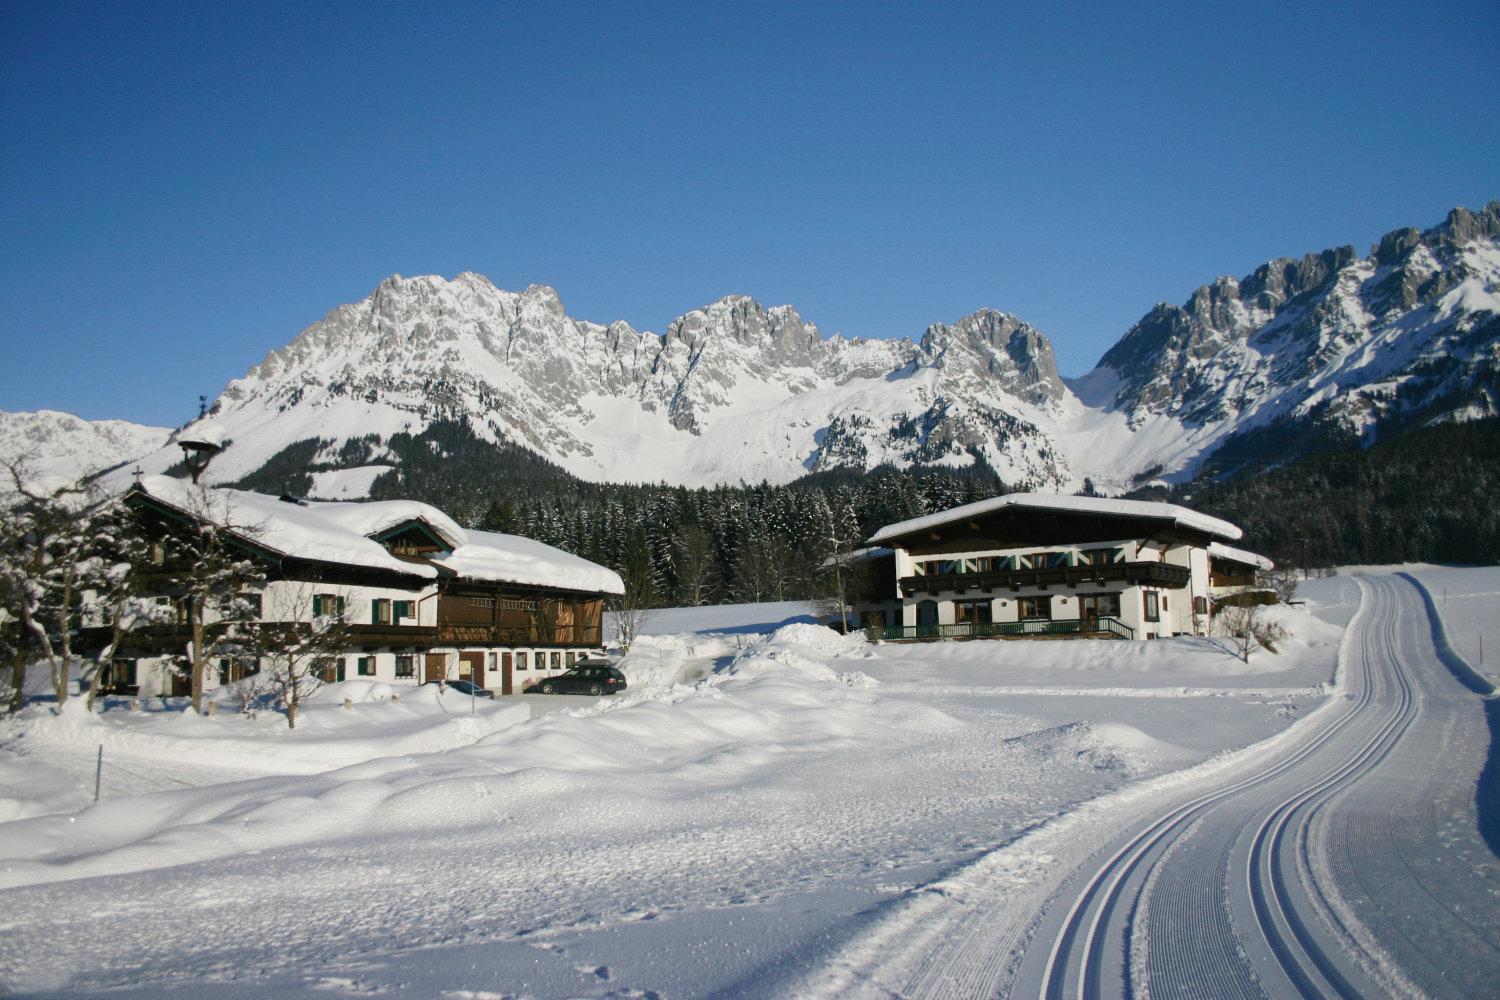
point(1427, 495)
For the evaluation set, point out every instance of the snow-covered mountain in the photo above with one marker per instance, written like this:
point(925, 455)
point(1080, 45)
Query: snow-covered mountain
point(1330, 344)
point(61, 444)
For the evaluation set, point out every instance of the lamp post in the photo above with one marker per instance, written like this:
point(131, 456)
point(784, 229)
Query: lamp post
point(199, 447)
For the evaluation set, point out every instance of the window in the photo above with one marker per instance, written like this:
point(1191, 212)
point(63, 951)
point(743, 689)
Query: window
point(481, 602)
point(403, 609)
point(251, 603)
point(327, 604)
point(1034, 607)
point(1153, 607)
point(521, 657)
point(979, 612)
point(572, 659)
point(1095, 606)
point(380, 611)
point(406, 665)
point(329, 668)
point(365, 666)
point(1164, 602)
point(118, 677)
point(514, 604)
point(1200, 605)
point(556, 660)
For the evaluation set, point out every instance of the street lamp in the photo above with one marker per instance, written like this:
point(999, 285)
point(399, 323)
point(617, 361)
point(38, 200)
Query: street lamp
point(199, 446)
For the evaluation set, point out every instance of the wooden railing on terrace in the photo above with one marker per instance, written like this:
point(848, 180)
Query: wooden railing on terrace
point(1001, 630)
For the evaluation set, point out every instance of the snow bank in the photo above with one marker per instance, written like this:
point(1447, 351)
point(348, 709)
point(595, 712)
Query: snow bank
point(774, 697)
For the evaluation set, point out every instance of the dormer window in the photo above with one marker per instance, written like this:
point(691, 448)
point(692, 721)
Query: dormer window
point(413, 539)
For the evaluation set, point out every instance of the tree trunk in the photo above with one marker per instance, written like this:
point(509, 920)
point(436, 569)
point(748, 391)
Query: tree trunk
point(60, 676)
point(200, 662)
point(18, 680)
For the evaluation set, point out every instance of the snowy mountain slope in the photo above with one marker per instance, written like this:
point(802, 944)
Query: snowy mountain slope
point(733, 391)
point(53, 443)
point(1349, 345)
point(1329, 344)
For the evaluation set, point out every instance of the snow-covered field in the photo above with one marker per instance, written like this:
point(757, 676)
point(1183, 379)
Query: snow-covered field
point(750, 803)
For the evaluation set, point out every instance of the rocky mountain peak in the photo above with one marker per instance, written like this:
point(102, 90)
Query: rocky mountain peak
point(1013, 354)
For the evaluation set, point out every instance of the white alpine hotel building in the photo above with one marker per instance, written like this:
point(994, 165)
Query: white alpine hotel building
point(1033, 564)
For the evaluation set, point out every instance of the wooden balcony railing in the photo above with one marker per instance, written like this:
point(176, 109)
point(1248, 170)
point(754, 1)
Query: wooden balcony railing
point(1001, 630)
point(1150, 573)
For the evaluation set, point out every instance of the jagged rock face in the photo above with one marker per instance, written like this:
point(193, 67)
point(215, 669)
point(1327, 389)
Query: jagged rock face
point(736, 391)
point(1355, 340)
point(731, 391)
point(1013, 355)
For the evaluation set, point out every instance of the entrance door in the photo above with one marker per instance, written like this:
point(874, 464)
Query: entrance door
point(1092, 607)
point(505, 669)
point(927, 618)
point(471, 668)
point(435, 667)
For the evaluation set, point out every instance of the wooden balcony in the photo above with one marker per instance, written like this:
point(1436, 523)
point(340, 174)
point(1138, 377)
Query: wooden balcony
point(1150, 573)
point(392, 635)
point(521, 635)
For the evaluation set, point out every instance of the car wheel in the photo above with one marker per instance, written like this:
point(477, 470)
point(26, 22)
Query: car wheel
point(547, 688)
point(595, 689)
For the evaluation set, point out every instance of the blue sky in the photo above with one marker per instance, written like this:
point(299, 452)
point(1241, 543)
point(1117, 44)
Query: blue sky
point(185, 187)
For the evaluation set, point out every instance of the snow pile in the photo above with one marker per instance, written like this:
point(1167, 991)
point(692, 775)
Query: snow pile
point(777, 700)
point(328, 735)
point(1105, 746)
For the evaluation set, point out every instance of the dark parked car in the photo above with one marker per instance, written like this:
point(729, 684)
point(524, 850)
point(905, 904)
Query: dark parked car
point(585, 678)
point(466, 688)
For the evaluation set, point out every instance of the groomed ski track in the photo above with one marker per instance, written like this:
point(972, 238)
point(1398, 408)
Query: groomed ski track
point(1348, 856)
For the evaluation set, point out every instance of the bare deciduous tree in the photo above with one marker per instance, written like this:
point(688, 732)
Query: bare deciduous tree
point(1281, 581)
point(1247, 629)
point(48, 556)
point(118, 589)
point(296, 651)
point(215, 579)
point(629, 611)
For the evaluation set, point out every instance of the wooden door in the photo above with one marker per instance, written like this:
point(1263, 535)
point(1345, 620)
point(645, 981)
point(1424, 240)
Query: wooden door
point(471, 668)
point(505, 675)
point(435, 668)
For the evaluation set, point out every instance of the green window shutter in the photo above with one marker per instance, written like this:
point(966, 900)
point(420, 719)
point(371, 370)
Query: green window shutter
point(317, 605)
point(374, 612)
point(338, 605)
point(340, 674)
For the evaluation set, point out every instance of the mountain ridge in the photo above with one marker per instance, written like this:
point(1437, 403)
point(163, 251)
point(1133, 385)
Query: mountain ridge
point(1330, 342)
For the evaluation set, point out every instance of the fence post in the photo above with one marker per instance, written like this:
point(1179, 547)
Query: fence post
point(98, 773)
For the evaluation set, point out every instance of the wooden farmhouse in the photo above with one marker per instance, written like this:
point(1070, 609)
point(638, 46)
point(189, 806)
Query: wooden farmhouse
point(418, 597)
point(1035, 564)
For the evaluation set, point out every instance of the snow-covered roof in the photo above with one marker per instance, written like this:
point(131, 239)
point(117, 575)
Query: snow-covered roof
point(340, 532)
point(1218, 550)
point(1180, 516)
point(324, 532)
point(206, 432)
point(859, 555)
point(490, 555)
